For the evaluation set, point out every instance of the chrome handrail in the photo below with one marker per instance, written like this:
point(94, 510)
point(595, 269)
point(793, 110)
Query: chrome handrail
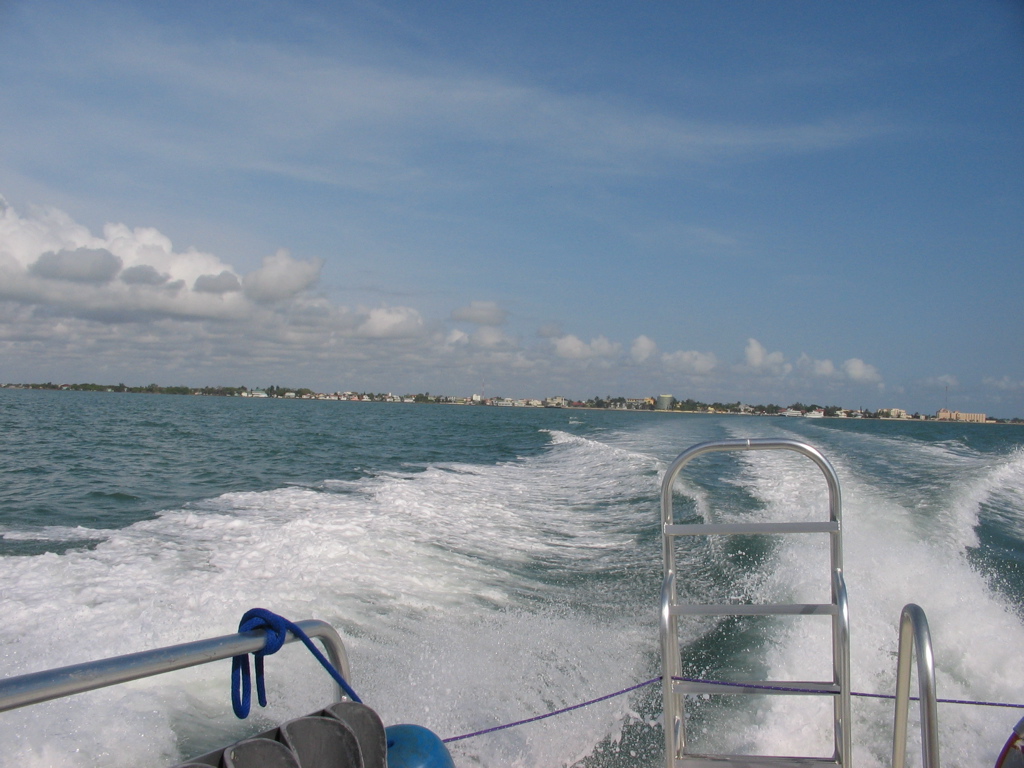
point(914, 634)
point(37, 687)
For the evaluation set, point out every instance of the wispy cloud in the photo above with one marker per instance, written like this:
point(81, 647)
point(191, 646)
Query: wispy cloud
point(251, 106)
point(945, 380)
point(1004, 384)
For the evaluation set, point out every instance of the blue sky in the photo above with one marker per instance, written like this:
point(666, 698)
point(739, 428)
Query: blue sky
point(765, 202)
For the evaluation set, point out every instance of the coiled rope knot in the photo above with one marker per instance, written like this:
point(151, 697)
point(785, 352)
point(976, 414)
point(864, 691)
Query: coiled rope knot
point(276, 629)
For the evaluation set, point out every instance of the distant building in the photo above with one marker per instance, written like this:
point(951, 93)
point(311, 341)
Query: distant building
point(895, 413)
point(664, 403)
point(642, 403)
point(945, 414)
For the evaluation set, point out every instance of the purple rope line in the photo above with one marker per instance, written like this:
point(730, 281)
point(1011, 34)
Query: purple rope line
point(852, 693)
point(943, 701)
point(708, 682)
point(552, 714)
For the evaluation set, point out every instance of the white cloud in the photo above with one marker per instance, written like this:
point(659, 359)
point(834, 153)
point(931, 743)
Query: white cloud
point(481, 313)
point(148, 246)
point(281, 277)
point(824, 368)
point(391, 322)
point(49, 262)
point(225, 282)
point(808, 364)
point(128, 301)
point(490, 337)
point(857, 370)
point(82, 265)
point(691, 362)
point(50, 230)
point(604, 348)
point(642, 349)
point(143, 274)
point(573, 348)
point(761, 360)
point(457, 338)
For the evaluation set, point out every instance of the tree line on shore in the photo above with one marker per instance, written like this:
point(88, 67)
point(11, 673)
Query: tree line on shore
point(153, 389)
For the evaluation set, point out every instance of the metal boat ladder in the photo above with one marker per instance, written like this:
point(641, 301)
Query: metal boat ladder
point(675, 689)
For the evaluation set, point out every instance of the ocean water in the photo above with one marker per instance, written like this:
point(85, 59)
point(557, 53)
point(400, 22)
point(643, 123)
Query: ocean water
point(486, 565)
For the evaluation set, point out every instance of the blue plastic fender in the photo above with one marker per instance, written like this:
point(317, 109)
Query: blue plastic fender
point(413, 746)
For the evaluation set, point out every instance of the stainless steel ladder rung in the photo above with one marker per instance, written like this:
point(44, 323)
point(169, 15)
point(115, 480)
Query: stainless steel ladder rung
point(757, 761)
point(766, 609)
point(762, 687)
point(736, 529)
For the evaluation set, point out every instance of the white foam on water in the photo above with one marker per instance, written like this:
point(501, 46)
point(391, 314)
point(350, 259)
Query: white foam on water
point(428, 576)
point(501, 668)
point(437, 581)
point(999, 485)
point(53, 533)
point(892, 557)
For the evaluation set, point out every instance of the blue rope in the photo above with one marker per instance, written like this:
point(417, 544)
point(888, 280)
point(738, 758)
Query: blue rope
point(277, 629)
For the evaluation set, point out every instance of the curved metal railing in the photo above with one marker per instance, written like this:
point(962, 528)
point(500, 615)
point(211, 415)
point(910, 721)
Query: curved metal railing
point(37, 687)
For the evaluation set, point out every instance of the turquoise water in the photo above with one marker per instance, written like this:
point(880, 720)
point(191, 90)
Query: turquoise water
point(483, 565)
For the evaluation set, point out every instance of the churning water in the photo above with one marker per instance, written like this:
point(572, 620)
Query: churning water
point(486, 565)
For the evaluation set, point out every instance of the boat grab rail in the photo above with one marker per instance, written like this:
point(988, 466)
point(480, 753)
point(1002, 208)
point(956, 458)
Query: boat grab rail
point(914, 635)
point(37, 687)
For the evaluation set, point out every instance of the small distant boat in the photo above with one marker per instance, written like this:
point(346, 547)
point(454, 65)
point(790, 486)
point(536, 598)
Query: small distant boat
point(792, 412)
point(817, 413)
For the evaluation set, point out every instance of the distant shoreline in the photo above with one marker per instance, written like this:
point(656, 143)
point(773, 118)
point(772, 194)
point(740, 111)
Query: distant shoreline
point(292, 394)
